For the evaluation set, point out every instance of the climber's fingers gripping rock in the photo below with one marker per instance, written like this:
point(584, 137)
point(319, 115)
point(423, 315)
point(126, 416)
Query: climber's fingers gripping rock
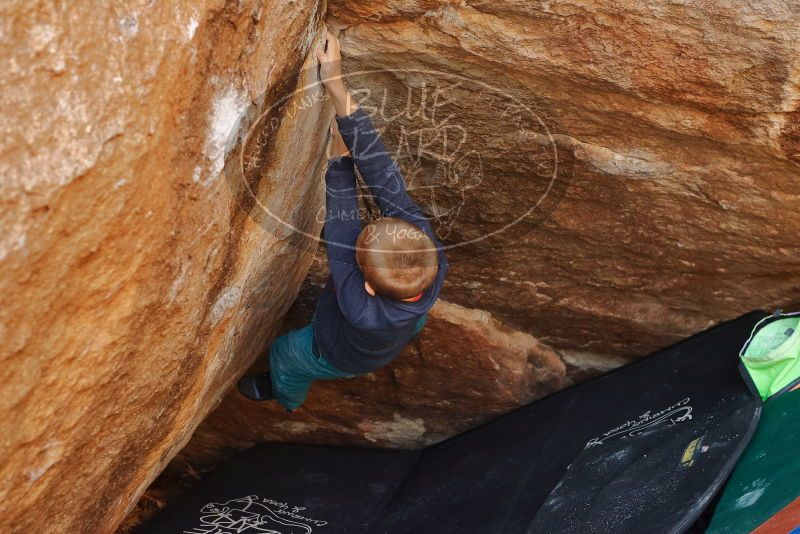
point(330, 73)
point(330, 61)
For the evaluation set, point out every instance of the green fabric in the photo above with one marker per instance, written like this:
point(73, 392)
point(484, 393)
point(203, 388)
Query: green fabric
point(767, 476)
point(772, 357)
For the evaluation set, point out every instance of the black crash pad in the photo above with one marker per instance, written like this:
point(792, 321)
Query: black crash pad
point(642, 449)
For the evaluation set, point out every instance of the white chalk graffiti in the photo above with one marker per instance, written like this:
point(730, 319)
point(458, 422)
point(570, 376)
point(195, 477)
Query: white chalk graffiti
point(672, 415)
point(253, 515)
point(754, 491)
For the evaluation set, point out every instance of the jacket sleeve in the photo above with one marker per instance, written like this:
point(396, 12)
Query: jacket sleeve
point(382, 175)
point(341, 229)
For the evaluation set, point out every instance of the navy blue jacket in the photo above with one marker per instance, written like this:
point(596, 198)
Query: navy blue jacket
point(355, 331)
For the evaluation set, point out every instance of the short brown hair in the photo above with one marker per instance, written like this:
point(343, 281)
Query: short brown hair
point(397, 258)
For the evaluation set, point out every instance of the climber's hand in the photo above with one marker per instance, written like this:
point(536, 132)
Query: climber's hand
point(330, 64)
point(330, 72)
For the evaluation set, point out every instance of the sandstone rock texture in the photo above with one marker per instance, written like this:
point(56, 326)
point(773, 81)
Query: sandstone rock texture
point(608, 176)
point(657, 142)
point(463, 369)
point(139, 279)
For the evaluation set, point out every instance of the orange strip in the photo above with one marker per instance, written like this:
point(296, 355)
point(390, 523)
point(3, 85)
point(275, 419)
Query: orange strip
point(783, 522)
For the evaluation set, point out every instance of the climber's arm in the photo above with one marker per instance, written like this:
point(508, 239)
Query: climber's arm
point(380, 172)
point(342, 222)
point(330, 71)
point(341, 229)
point(375, 164)
point(378, 169)
point(383, 176)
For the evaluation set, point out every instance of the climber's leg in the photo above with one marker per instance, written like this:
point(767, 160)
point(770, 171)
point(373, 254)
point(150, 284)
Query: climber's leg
point(286, 356)
point(294, 366)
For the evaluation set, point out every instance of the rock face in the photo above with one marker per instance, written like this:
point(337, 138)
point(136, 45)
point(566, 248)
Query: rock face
point(657, 143)
point(608, 177)
point(139, 279)
point(463, 369)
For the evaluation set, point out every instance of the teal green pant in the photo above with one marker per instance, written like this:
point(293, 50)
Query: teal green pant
point(294, 367)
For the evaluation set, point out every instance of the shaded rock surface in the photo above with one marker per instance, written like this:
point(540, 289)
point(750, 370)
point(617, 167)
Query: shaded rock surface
point(138, 280)
point(462, 369)
point(608, 177)
point(665, 136)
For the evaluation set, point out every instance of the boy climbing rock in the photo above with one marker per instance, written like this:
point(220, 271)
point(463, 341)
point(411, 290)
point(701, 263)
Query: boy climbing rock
point(384, 276)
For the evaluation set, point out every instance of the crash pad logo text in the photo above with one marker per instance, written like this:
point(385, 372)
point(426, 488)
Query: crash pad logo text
point(254, 515)
point(672, 415)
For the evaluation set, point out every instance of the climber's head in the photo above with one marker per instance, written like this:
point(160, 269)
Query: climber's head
point(398, 259)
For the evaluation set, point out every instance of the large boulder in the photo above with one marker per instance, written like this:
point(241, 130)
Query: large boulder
point(608, 177)
point(463, 369)
point(654, 148)
point(139, 277)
